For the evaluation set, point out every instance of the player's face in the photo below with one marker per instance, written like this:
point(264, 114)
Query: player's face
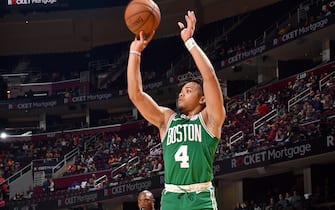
point(145, 201)
point(189, 96)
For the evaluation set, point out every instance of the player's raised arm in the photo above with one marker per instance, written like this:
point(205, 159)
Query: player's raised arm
point(214, 112)
point(149, 109)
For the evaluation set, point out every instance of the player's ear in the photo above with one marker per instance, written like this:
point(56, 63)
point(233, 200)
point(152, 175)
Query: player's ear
point(202, 100)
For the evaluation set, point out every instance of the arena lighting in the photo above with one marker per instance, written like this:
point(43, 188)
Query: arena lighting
point(3, 135)
point(40, 94)
point(15, 75)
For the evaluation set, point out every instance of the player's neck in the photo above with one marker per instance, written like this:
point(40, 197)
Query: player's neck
point(194, 112)
point(190, 114)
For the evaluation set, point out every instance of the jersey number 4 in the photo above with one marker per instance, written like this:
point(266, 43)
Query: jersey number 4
point(182, 157)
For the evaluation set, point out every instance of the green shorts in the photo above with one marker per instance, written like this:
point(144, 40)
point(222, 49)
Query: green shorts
point(204, 200)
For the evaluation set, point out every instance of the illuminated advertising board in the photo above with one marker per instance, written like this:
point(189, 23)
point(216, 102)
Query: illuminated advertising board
point(30, 2)
point(60, 4)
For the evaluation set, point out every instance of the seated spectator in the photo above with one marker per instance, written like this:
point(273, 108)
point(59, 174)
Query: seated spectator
point(29, 193)
point(262, 108)
point(51, 185)
point(147, 165)
point(150, 141)
point(330, 88)
point(4, 191)
point(91, 167)
point(75, 185)
point(310, 113)
point(265, 127)
point(2, 203)
point(18, 196)
point(90, 184)
point(328, 102)
point(282, 203)
point(317, 104)
point(93, 177)
point(157, 166)
point(296, 200)
point(280, 137)
point(45, 185)
point(83, 184)
point(156, 152)
point(112, 159)
point(272, 133)
point(271, 204)
point(131, 170)
point(237, 206)
point(260, 137)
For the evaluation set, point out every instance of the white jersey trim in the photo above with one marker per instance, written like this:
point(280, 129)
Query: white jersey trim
point(204, 125)
point(198, 187)
point(168, 125)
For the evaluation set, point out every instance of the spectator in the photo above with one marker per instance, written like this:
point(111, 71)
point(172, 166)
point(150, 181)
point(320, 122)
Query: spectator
point(317, 104)
point(75, 185)
point(282, 202)
point(112, 159)
point(288, 197)
point(91, 183)
point(51, 185)
point(271, 204)
point(262, 108)
point(157, 166)
point(45, 185)
point(146, 200)
point(280, 137)
point(4, 190)
point(237, 206)
point(150, 141)
point(147, 165)
point(296, 200)
point(155, 152)
point(29, 193)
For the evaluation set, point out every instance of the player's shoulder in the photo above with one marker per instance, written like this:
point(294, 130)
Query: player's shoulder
point(167, 111)
point(167, 114)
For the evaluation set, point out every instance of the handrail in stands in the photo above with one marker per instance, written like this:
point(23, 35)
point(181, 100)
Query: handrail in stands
point(236, 137)
point(268, 117)
point(66, 158)
point(18, 174)
point(324, 80)
point(298, 98)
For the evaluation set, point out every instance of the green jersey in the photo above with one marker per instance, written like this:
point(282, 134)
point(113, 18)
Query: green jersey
point(188, 151)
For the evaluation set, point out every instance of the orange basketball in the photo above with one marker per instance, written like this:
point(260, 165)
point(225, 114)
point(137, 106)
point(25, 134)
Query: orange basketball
point(142, 15)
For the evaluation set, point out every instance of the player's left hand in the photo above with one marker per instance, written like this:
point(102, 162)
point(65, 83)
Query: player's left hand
point(141, 41)
point(188, 31)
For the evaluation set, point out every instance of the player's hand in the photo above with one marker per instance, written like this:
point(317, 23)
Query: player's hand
point(188, 31)
point(141, 41)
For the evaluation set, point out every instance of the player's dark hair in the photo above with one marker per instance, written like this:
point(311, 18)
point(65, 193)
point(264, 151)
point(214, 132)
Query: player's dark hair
point(192, 78)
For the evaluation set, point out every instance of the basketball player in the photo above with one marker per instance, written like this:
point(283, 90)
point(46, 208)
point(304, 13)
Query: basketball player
point(189, 139)
point(146, 200)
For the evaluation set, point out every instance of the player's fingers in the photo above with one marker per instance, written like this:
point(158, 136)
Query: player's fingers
point(189, 21)
point(137, 37)
point(141, 36)
point(192, 17)
point(181, 25)
point(150, 36)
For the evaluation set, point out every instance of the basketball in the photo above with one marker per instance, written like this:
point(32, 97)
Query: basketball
point(142, 15)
